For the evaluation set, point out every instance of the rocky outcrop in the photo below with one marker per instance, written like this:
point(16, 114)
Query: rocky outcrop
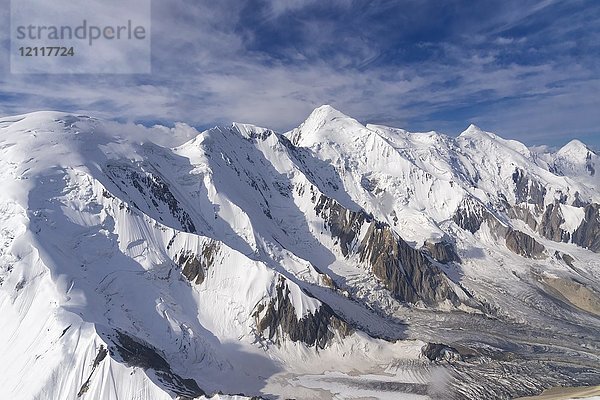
point(550, 228)
point(579, 202)
point(136, 353)
point(567, 258)
point(524, 245)
point(277, 319)
point(521, 212)
point(470, 215)
point(528, 190)
point(194, 266)
point(440, 352)
point(102, 352)
point(588, 233)
point(154, 190)
point(406, 272)
point(343, 224)
point(443, 251)
point(589, 164)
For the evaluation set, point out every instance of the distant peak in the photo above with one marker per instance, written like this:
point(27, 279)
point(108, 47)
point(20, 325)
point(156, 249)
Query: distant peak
point(573, 147)
point(250, 131)
point(472, 130)
point(326, 112)
point(323, 119)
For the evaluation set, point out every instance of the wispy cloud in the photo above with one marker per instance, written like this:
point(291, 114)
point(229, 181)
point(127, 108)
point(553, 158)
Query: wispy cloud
point(526, 71)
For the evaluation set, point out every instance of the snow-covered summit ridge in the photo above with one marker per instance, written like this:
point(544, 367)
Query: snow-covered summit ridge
point(326, 124)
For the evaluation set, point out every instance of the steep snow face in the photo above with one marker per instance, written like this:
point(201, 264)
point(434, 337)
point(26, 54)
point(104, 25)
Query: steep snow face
point(577, 161)
point(246, 261)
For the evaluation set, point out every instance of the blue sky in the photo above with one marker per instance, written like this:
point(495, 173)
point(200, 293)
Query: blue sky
point(528, 70)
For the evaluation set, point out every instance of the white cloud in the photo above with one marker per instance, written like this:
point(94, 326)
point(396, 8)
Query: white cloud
point(204, 74)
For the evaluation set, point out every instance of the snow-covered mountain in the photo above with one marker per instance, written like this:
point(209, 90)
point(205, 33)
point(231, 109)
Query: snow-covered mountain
point(336, 260)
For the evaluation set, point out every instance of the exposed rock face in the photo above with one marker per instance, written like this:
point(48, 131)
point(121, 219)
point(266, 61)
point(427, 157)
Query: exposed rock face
point(153, 188)
point(567, 258)
point(551, 222)
point(407, 273)
point(102, 352)
point(588, 233)
point(343, 223)
point(573, 292)
point(135, 352)
point(522, 213)
point(579, 202)
point(443, 252)
point(528, 190)
point(279, 317)
point(441, 352)
point(524, 245)
point(470, 215)
point(194, 266)
point(589, 164)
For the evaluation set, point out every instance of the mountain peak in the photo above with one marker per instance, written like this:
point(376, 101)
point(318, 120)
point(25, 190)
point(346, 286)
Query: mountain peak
point(324, 121)
point(249, 130)
point(325, 113)
point(574, 147)
point(473, 130)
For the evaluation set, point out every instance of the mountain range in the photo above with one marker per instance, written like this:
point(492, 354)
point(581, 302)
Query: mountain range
point(337, 260)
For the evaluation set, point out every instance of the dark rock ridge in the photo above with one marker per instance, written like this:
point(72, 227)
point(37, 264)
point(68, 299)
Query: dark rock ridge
point(342, 223)
point(524, 245)
point(589, 164)
point(442, 251)
point(406, 272)
point(531, 192)
point(102, 352)
point(279, 316)
point(441, 352)
point(521, 212)
point(471, 215)
point(551, 222)
point(528, 190)
point(567, 258)
point(588, 233)
point(579, 202)
point(136, 353)
point(154, 190)
point(194, 266)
